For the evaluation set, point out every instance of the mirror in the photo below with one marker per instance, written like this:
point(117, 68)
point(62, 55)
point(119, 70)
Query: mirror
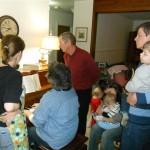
point(61, 20)
point(62, 5)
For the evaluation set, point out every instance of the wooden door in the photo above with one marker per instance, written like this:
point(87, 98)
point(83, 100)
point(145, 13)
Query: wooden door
point(60, 54)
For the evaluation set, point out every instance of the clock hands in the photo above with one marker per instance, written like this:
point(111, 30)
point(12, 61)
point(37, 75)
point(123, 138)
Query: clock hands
point(8, 29)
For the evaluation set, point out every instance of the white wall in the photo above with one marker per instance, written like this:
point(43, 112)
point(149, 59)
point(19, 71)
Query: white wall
point(136, 23)
point(112, 38)
point(33, 19)
point(83, 11)
point(59, 18)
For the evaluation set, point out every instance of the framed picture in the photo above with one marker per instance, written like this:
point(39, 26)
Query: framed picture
point(102, 65)
point(81, 34)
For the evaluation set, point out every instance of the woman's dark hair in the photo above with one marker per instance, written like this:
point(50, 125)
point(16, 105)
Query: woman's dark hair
point(110, 83)
point(10, 46)
point(59, 76)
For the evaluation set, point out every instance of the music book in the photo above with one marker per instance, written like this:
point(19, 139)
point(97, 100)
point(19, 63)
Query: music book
point(31, 83)
point(29, 67)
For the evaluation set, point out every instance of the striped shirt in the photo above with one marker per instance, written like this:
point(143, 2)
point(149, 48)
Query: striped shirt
point(112, 111)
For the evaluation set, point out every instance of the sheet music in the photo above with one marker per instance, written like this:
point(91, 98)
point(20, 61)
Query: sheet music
point(31, 83)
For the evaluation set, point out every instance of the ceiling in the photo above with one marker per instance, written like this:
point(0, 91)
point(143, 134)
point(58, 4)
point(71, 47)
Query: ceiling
point(62, 5)
point(68, 6)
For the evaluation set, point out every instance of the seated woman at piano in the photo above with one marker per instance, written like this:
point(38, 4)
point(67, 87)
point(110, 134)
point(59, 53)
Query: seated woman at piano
point(55, 118)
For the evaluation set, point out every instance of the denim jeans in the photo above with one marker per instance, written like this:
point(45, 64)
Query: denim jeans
point(107, 137)
point(124, 105)
point(135, 137)
point(5, 139)
point(34, 138)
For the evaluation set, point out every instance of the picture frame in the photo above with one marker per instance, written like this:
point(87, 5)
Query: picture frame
point(81, 34)
point(102, 65)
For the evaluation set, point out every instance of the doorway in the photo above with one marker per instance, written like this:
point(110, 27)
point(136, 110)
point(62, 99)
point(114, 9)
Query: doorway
point(60, 54)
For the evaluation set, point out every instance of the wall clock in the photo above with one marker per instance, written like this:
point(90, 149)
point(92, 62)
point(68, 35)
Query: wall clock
point(8, 25)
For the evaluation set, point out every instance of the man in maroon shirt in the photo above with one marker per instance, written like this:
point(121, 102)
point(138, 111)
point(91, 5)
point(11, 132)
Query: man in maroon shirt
point(84, 73)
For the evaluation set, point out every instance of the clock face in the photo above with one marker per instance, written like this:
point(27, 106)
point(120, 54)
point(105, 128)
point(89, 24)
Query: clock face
point(8, 25)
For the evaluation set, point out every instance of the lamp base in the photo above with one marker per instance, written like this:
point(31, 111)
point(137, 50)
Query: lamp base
point(43, 62)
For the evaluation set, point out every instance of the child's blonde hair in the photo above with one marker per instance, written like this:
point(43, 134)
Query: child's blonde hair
point(97, 92)
point(147, 46)
point(109, 99)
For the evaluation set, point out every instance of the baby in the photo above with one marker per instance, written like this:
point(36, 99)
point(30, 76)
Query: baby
point(140, 82)
point(106, 110)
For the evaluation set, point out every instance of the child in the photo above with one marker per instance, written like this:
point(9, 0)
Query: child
point(108, 109)
point(95, 101)
point(141, 79)
point(140, 82)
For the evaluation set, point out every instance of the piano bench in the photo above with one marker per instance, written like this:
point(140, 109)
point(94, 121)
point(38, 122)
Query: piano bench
point(78, 143)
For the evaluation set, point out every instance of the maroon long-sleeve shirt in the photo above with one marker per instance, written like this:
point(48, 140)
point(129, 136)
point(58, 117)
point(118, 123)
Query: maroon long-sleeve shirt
point(84, 71)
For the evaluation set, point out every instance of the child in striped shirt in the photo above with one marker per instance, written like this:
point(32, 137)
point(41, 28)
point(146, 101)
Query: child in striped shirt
point(108, 108)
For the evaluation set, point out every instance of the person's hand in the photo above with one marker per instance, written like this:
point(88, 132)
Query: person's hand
point(8, 116)
point(99, 110)
point(132, 99)
point(27, 113)
point(35, 105)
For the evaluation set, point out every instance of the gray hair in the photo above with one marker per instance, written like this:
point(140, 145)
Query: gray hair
point(68, 36)
point(59, 76)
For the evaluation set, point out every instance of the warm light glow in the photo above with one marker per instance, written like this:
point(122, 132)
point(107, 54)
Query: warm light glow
point(50, 43)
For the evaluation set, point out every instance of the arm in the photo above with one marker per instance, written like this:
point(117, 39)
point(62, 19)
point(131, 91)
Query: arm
point(30, 114)
point(134, 84)
point(8, 116)
point(138, 98)
point(114, 119)
point(99, 110)
point(143, 98)
point(11, 99)
point(117, 118)
point(108, 119)
point(10, 107)
point(93, 70)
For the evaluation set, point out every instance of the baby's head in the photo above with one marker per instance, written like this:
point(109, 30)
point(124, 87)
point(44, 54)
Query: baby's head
point(145, 55)
point(97, 92)
point(109, 99)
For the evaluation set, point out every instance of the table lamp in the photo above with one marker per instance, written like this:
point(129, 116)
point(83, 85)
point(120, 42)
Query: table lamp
point(49, 43)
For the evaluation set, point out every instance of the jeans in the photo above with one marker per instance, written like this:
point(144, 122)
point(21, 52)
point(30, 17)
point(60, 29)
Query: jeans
point(5, 139)
point(107, 137)
point(124, 105)
point(135, 137)
point(34, 138)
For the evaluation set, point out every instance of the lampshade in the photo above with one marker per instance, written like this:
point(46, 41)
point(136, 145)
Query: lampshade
point(50, 43)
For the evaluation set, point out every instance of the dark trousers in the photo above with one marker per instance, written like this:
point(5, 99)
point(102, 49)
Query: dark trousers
point(84, 97)
point(34, 138)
